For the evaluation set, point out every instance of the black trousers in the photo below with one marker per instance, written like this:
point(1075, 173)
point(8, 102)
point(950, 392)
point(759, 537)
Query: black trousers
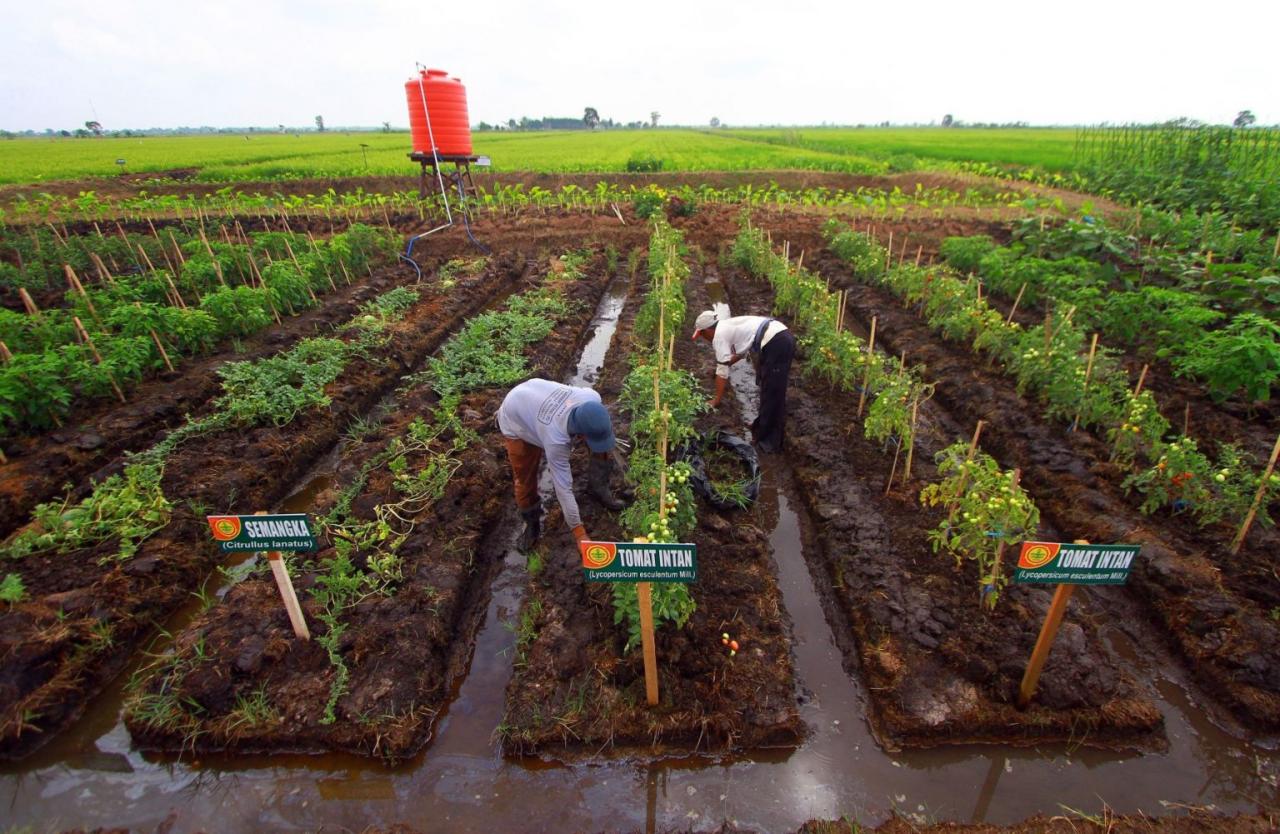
point(772, 371)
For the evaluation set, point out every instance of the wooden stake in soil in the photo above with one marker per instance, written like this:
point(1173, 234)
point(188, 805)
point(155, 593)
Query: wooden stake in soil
point(76, 287)
point(84, 334)
point(28, 303)
point(995, 563)
point(911, 442)
point(964, 476)
point(217, 267)
point(1014, 308)
point(281, 573)
point(866, 376)
point(103, 273)
point(1257, 499)
point(1088, 371)
point(1040, 654)
point(164, 354)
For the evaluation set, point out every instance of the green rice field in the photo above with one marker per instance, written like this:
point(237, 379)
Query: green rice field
point(256, 156)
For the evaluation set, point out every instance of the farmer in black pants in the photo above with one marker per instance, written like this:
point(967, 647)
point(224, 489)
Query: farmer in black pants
point(771, 345)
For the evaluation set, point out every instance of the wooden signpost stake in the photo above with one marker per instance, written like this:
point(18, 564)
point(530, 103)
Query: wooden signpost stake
point(280, 571)
point(1040, 653)
point(1065, 565)
point(250, 533)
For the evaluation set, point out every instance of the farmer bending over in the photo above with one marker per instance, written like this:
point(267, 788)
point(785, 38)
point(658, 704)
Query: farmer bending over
point(543, 416)
point(771, 346)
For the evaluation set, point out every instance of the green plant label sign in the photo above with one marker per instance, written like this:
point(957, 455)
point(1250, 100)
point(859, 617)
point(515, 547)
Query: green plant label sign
point(634, 562)
point(1075, 564)
point(291, 531)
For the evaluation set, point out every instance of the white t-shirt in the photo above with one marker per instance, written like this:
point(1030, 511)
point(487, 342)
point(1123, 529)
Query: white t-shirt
point(734, 336)
point(537, 412)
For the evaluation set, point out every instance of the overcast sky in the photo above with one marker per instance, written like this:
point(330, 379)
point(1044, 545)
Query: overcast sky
point(165, 63)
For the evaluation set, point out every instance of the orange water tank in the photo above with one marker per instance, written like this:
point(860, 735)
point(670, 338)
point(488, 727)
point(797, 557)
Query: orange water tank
point(446, 104)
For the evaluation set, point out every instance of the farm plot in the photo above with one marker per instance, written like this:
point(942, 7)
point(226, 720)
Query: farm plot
point(95, 577)
point(1215, 609)
point(414, 528)
point(578, 685)
point(69, 436)
point(941, 642)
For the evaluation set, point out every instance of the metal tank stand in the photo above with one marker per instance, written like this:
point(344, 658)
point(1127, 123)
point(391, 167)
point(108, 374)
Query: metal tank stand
point(438, 182)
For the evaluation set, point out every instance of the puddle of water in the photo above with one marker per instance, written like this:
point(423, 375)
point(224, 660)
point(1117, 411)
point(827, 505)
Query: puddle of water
point(460, 783)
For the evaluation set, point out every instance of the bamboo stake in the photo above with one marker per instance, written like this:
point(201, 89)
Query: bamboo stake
point(84, 334)
point(76, 287)
point(128, 245)
point(1257, 499)
point(1142, 377)
point(164, 354)
point(217, 267)
point(104, 274)
point(1088, 372)
point(995, 564)
point(888, 257)
point(177, 250)
point(893, 470)
point(1014, 308)
point(28, 303)
point(968, 458)
point(919, 252)
point(4, 353)
point(911, 442)
point(866, 377)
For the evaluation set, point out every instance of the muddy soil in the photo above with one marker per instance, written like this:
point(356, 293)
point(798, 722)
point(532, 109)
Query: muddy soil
point(1215, 609)
point(86, 617)
point(403, 649)
point(574, 691)
point(1191, 821)
point(939, 670)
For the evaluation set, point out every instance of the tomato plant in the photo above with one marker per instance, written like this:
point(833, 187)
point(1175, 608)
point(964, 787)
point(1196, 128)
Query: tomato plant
point(989, 510)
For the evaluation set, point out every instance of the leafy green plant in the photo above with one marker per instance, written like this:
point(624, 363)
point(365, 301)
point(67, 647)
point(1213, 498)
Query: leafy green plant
point(963, 253)
point(128, 507)
point(1243, 356)
point(11, 589)
point(988, 511)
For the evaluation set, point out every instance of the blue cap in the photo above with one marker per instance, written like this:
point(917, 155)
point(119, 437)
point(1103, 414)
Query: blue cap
point(592, 419)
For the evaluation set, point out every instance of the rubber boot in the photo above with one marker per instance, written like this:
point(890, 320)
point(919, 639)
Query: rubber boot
point(532, 528)
point(598, 470)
